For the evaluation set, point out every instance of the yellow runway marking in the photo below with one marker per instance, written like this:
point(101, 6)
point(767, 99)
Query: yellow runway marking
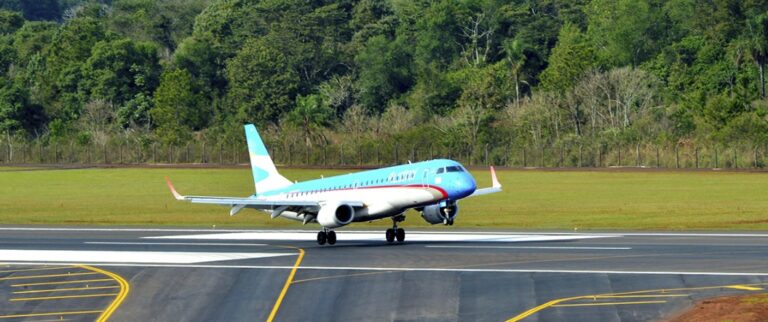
point(745, 288)
point(124, 289)
point(14, 316)
point(609, 303)
point(67, 289)
point(63, 297)
point(36, 269)
point(340, 276)
point(64, 282)
point(663, 292)
point(287, 285)
point(45, 276)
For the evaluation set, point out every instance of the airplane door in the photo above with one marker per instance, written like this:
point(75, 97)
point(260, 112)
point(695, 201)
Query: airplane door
point(425, 177)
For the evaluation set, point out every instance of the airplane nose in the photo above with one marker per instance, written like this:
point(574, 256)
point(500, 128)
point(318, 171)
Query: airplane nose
point(465, 186)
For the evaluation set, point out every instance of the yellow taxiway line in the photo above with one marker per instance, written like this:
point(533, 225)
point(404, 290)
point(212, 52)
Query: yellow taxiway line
point(51, 290)
point(63, 297)
point(16, 316)
point(124, 289)
point(663, 293)
point(36, 269)
point(45, 276)
point(288, 282)
point(64, 282)
point(608, 303)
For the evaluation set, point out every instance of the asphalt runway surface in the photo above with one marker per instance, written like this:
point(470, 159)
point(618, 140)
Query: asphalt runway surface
point(81, 274)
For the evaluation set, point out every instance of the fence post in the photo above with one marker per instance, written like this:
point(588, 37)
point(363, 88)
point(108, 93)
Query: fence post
point(658, 161)
point(717, 165)
point(755, 156)
point(525, 159)
point(486, 155)
point(562, 157)
point(202, 156)
point(677, 157)
point(599, 156)
point(619, 156)
point(735, 160)
point(637, 155)
point(395, 152)
point(580, 156)
point(121, 153)
point(696, 153)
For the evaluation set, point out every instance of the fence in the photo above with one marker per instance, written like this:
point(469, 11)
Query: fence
point(644, 155)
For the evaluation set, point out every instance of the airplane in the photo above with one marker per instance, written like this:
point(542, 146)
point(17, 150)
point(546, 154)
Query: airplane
point(431, 187)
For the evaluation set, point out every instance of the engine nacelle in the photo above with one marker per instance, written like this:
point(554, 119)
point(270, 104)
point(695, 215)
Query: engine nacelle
point(436, 214)
point(334, 215)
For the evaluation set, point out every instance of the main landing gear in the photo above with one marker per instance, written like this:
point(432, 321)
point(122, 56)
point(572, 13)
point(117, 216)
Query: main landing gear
point(394, 232)
point(326, 235)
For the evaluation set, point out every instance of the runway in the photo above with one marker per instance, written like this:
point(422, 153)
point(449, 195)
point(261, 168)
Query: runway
point(257, 275)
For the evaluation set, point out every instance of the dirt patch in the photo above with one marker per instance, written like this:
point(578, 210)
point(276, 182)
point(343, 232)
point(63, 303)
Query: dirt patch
point(744, 308)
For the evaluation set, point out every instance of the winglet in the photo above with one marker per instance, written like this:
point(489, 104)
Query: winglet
point(495, 180)
point(173, 190)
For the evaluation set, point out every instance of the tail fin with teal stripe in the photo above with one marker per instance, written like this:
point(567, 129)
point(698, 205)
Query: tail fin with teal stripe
point(265, 175)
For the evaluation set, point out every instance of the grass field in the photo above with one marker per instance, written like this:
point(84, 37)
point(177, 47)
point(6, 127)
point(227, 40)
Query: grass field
point(531, 199)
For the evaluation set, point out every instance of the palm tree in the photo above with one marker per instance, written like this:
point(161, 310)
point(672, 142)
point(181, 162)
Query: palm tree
point(758, 45)
point(515, 51)
point(311, 115)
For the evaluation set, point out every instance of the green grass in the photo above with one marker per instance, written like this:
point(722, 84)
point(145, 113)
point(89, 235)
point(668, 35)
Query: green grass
point(531, 199)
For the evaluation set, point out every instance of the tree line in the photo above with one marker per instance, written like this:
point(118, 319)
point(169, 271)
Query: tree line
point(455, 74)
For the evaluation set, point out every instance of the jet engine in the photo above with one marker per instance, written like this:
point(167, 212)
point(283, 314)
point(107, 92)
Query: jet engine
point(437, 214)
point(334, 215)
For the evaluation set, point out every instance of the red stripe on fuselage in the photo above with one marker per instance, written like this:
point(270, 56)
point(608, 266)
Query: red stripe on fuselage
point(441, 190)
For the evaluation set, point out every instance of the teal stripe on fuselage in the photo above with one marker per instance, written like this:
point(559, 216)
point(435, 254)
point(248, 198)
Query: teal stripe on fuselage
point(397, 175)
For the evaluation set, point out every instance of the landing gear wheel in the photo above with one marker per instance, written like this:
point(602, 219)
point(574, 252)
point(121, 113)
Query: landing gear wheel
point(400, 234)
point(321, 238)
point(390, 235)
point(331, 237)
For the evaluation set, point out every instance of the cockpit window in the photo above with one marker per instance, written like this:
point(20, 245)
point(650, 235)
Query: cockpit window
point(441, 170)
point(454, 169)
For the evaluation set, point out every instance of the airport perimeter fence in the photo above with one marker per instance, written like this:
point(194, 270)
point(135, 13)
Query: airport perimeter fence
point(363, 155)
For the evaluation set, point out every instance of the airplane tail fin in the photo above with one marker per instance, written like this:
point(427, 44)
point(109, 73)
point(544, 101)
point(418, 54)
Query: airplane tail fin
point(265, 175)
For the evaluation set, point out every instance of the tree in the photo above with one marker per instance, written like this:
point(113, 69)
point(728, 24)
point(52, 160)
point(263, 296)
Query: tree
point(310, 115)
point(262, 86)
point(384, 72)
point(177, 109)
point(125, 73)
point(758, 46)
point(618, 29)
point(10, 22)
point(571, 58)
point(514, 49)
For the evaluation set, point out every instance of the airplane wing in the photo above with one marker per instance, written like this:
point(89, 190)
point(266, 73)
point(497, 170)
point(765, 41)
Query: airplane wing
point(496, 187)
point(238, 203)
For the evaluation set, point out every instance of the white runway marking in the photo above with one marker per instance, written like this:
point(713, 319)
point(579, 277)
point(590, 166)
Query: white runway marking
point(77, 256)
point(531, 247)
point(401, 269)
point(378, 236)
point(564, 233)
point(173, 244)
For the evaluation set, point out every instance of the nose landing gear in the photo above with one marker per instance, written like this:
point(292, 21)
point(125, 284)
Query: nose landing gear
point(326, 235)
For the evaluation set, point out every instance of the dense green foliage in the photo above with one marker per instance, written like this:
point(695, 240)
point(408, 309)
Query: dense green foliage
point(458, 74)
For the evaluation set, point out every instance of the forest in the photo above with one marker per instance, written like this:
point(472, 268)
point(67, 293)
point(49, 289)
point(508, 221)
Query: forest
point(521, 82)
